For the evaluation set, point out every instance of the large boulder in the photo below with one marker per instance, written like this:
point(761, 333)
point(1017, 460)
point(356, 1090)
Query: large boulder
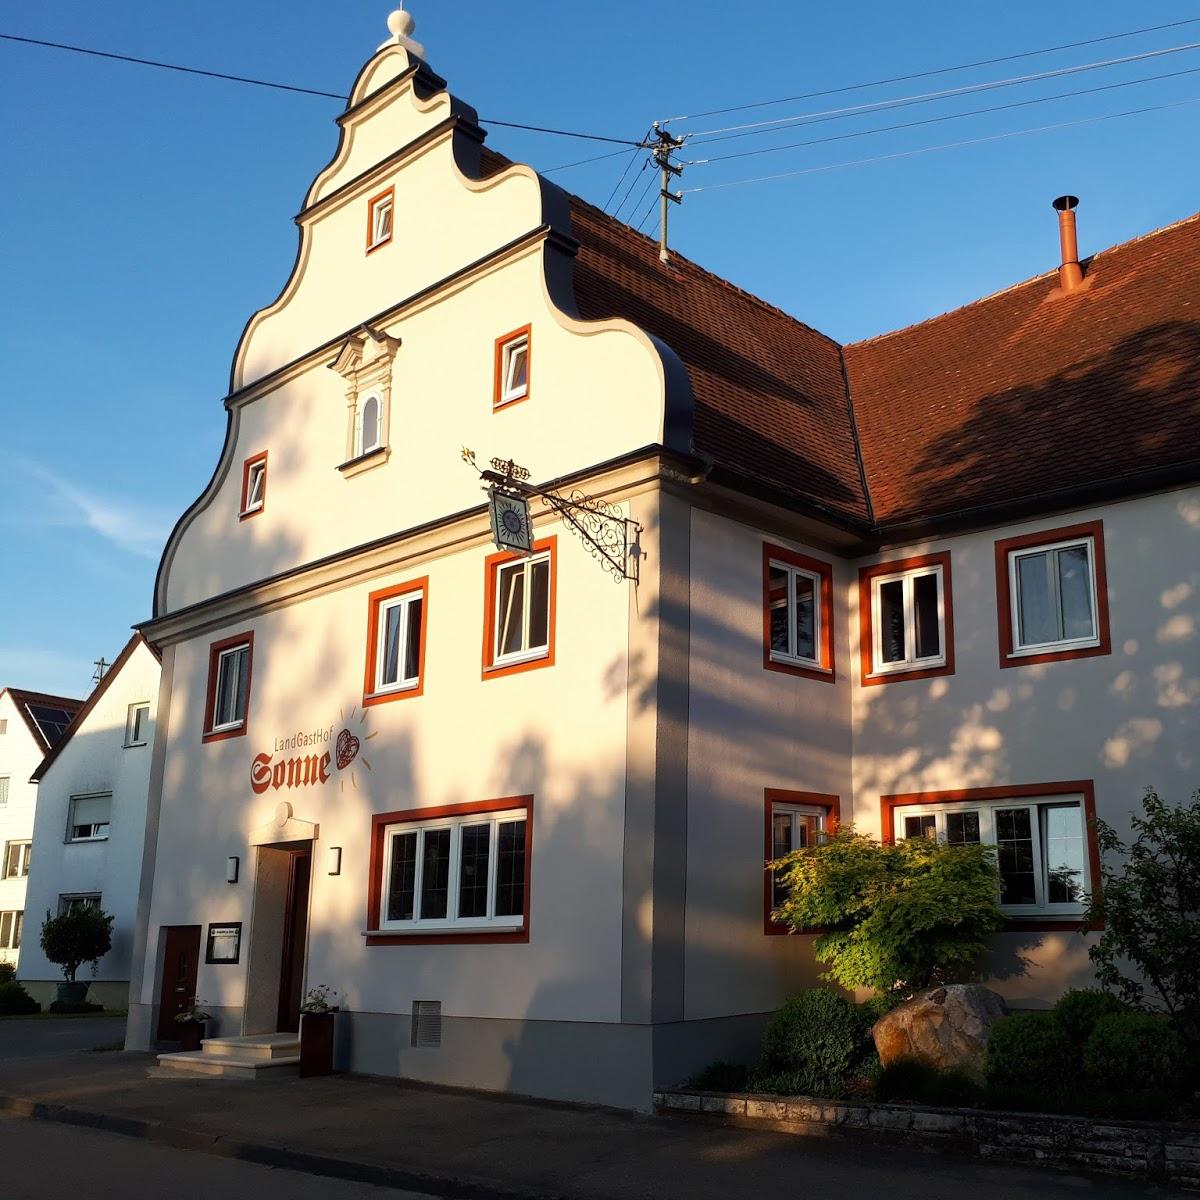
point(944, 1027)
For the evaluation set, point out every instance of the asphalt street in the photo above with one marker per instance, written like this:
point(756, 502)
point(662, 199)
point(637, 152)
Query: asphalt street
point(48, 1037)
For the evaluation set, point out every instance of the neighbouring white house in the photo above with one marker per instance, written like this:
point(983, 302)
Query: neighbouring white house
point(515, 808)
point(90, 826)
point(31, 723)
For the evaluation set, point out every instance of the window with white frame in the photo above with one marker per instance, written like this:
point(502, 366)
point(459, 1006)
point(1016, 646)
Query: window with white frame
point(398, 623)
point(512, 367)
point(89, 818)
point(457, 873)
point(137, 724)
point(368, 424)
point(521, 616)
point(379, 219)
point(794, 603)
point(75, 901)
point(3, 726)
point(1040, 843)
point(231, 688)
point(1053, 596)
point(254, 485)
point(908, 620)
point(793, 827)
point(16, 859)
point(11, 924)
point(4, 790)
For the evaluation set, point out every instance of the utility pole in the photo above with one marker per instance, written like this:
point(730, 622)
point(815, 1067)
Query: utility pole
point(667, 143)
point(101, 669)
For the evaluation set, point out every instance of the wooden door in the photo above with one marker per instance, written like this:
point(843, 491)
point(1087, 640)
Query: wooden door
point(181, 956)
point(295, 936)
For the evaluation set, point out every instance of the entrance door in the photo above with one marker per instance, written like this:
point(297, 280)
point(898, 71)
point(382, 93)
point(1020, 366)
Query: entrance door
point(181, 956)
point(295, 931)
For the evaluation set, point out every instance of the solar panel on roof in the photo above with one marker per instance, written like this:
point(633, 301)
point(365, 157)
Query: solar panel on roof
point(52, 722)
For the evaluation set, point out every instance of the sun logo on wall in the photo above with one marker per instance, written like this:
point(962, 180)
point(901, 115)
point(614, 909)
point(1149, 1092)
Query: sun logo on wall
point(348, 746)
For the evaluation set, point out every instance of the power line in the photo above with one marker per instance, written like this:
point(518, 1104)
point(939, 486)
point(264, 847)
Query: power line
point(632, 184)
point(581, 162)
point(636, 205)
point(985, 62)
point(587, 137)
point(624, 173)
point(997, 137)
point(731, 132)
point(974, 112)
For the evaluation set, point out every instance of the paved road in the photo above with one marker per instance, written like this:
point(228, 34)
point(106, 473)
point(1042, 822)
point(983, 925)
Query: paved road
point(46, 1037)
point(45, 1161)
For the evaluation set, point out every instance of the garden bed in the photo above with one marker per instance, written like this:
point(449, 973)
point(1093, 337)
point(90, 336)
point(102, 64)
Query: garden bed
point(1162, 1152)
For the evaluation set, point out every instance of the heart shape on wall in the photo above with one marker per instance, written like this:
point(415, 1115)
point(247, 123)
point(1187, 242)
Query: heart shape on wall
point(347, 749)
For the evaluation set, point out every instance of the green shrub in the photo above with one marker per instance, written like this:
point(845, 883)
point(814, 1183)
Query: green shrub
point(907, 1079)
point(15, 1001)
point(1077, 1012)
point(1132, 1052)
point(722, 1076)
point(813, 1043)
point(895, 918)
point(1027, 1052)
point(7, 972)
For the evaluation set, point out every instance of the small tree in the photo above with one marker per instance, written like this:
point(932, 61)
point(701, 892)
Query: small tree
point(1149, 909)
point(895, 918)
point(76, 936)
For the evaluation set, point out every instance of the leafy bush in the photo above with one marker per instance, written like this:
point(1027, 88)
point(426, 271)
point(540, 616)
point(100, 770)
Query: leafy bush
point(1150, 908)
point(907, 1079)
point(722, 1076)
point(7, 972)
point(76, 936)
point(1027, 1052)
point(895, 918)
point(15, 1001)
point(1077, 1012)
point(1134, 1052)
point(813, 1043)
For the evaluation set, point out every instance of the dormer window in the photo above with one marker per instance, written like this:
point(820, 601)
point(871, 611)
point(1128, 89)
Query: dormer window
point(512, 367)
point(379, 219)
point(254, 485)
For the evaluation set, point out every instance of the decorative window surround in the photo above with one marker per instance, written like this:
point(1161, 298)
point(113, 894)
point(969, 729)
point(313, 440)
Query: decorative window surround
point(410, 602)
point(785, 572)
point(514, 368)
point(365, 362)
point(254, 486)
point(531, 656)
point(451, 929)
point(1011, 554)
point(814, 812)
point(224, 652)
point(933, 809)
point(381, 219)
point(905, 572)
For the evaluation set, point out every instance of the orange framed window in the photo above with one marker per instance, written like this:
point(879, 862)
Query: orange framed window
point(227, 703)
point(793, 820)
point(797, 614)
point(514, 359)
point(1052, 595)
point(906, 619)
point(254, 486)
point(454, 873)
point(380, 219)
point(520, 609)
point(397, 618)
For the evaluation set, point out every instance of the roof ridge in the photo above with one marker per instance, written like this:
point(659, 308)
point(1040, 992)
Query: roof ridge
point(39, 697)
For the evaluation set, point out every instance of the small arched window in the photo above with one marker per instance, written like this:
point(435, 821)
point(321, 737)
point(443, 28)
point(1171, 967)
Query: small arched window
point(369, 423)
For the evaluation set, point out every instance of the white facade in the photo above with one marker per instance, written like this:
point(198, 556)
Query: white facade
point(91, 823)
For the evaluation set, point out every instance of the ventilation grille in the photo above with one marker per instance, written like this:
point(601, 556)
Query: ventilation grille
point(427, 1023)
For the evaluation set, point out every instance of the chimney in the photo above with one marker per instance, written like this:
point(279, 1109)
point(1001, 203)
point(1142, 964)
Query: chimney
point(1070, 276)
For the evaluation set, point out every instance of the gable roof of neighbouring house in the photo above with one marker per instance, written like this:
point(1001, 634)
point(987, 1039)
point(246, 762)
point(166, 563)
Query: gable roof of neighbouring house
point(47, 717)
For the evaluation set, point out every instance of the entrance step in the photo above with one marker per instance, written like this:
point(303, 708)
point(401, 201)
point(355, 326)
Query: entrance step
point(237, 1057)
point(258, 1046)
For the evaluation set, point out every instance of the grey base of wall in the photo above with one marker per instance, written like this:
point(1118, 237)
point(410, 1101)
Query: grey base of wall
point(1137, 1149)
point(113, 994)
point(586, 1062)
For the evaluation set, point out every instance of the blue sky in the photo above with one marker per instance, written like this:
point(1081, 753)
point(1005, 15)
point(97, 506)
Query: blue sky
point(147, 214)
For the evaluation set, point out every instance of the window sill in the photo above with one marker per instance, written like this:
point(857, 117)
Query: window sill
point(379, 245)
point(399, 693)
point(470, 936)
point(916, 671)
point(512, 666)
point(219, 735)
point(134, 745)
point(246, 514)
point(795, 666)
point(1040, 654)
point(84, 841)
point(365, 462)
point(509, 401)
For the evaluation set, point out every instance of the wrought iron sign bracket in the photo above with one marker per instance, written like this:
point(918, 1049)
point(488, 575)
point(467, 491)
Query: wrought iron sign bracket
point(610, 536)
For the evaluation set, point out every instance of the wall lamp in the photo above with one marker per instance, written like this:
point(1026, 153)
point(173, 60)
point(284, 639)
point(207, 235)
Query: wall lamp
point(231, 868)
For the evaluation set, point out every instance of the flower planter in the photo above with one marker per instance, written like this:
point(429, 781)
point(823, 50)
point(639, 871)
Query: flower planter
point(72, 992)
point(316, 1044)
point(191, 1033)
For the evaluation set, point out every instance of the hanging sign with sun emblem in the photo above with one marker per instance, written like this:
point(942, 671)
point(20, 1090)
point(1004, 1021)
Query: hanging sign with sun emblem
point(510, 521)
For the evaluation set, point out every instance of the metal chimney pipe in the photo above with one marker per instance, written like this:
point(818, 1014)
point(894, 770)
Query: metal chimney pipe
point(1070, 274)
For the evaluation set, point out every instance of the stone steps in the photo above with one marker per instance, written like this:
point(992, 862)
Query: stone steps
point(249, 1057)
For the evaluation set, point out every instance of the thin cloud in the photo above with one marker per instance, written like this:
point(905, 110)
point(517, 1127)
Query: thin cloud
point(136, 529)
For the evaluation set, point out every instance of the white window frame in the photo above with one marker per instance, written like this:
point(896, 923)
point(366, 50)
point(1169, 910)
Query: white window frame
point(94, 837)
point(384, 203)
point(910, 662)
point(65, 900)
point(794, 811)
point(1042, 907)
point(256, 478)
point(5, 783)
point(1022, 649)
point(223, 657)
point(22, 870)
point(530, 653)
point(798, 660)
point(508, 390)
point(405, 600)
point(417, 924)
point(131, 724)
point(361, 449)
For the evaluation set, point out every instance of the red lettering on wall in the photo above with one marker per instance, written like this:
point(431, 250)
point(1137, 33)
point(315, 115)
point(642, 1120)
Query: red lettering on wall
point(260, 773)
point(324, 767)
point(288, 772)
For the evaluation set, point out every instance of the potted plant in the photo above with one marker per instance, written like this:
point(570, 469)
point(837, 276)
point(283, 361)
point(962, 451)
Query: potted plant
point(316, 1031)
point(81, 934)
point(192, 1022)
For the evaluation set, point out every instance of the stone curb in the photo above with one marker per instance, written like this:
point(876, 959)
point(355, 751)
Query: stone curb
point(265, 1153)
point(1158, 1152)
